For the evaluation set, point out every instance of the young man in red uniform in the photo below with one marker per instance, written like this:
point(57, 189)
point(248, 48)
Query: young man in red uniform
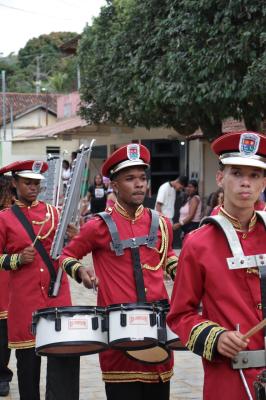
point(223, 272)
point(30, 282)
point(126, 378)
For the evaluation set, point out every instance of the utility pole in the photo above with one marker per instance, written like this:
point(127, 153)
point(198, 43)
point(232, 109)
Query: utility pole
point(38, 75)
point(4, 103)
point(38, 83)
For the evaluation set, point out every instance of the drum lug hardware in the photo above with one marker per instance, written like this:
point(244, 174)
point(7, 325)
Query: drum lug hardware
point(57, 321)
point(105, 324)
point(94, 323)
point(123, 319)
point(153, 319)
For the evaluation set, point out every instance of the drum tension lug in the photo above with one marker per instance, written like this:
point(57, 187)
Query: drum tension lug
point(153, 319)
point(123, 320)
point(57, 322)
point(105, 324)
point(94, 323)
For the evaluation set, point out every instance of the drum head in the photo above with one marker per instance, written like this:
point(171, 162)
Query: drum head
point(154, 355)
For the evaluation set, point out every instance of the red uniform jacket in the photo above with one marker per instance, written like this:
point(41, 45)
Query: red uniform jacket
point(29, 283)
point(4, 293)
point(117, 285)
point(229, 297)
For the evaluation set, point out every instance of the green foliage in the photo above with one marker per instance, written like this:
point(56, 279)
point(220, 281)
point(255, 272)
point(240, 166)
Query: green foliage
point(56, 72)
point(176, 63)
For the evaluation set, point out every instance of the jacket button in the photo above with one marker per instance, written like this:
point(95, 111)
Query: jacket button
point(41, 269)
point(259, 306)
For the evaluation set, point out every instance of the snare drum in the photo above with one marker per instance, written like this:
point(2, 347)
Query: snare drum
point(173, 341)
point(132, 326)
point(66, 331)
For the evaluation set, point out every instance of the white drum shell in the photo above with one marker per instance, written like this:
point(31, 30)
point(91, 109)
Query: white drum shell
point(74, 329)
point(137, 329)
point(173, 341)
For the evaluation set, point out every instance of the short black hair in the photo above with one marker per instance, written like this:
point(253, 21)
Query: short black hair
point(183, 180)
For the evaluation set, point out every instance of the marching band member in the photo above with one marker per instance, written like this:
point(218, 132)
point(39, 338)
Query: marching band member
point(30, 282)
point(6, 200)
point(222, 265)
point(125, 378)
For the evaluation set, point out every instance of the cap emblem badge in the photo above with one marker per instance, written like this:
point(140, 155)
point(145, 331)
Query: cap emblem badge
point(37, 167)
point(249, 144)
point(133, 152)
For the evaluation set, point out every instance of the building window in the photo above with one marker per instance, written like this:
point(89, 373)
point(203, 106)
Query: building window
point(53, 150)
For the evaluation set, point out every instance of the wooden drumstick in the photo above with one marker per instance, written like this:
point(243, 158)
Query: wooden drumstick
point(255, 329)
point(47, 216)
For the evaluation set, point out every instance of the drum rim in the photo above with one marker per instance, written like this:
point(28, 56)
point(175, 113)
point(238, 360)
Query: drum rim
point(147, 346)
point(69, 310)
point(39, 349)
point(152, 305)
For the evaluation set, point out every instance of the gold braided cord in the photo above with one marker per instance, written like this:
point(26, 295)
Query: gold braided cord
point(50, 211)
point(45, 219)
point(164, 246)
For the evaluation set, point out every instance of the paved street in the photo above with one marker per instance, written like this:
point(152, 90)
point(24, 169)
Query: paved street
point(186, 383)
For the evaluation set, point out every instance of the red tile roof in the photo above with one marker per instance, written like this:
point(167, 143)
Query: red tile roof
point(23, 102)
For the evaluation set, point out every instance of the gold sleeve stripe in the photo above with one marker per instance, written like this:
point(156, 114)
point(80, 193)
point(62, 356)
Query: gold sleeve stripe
point(203, 339)
point(9, 262)
point(3, 314)
point(70, 265)
point(210, 342)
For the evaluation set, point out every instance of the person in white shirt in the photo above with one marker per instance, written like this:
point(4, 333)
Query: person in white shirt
point(165, 201)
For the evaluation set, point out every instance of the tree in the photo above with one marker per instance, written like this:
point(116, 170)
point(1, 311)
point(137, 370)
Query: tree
point(175, 63)
point(44, 51)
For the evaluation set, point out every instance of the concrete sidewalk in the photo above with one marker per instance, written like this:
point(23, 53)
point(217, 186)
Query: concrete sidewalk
point(186, 383)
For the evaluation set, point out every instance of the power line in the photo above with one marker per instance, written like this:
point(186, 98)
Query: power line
point(35, 12)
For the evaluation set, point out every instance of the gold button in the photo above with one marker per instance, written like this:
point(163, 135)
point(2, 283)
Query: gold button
point(146, 290)
point(41, 269)
point(259, 306)
point(42, 287)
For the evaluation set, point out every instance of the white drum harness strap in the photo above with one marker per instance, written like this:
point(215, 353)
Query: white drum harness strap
point(251, 358)
point(118, 246)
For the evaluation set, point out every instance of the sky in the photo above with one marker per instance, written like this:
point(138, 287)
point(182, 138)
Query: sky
point(22, 20)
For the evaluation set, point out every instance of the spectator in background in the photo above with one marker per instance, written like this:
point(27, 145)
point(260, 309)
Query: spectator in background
point(66, 171)
point(111, 196)
point(73, 157)
point(165, 201)
point(97, 195)
point(190, 212)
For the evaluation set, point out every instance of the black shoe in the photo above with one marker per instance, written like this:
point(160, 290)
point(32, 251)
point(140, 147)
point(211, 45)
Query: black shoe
point(4, 389)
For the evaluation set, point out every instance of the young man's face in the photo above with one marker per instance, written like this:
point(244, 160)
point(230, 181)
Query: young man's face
point(130, 186)
point(242, 186)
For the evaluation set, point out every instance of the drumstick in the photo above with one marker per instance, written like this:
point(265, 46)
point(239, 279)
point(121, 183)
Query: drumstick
point(47, 216)
point(255, 329)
